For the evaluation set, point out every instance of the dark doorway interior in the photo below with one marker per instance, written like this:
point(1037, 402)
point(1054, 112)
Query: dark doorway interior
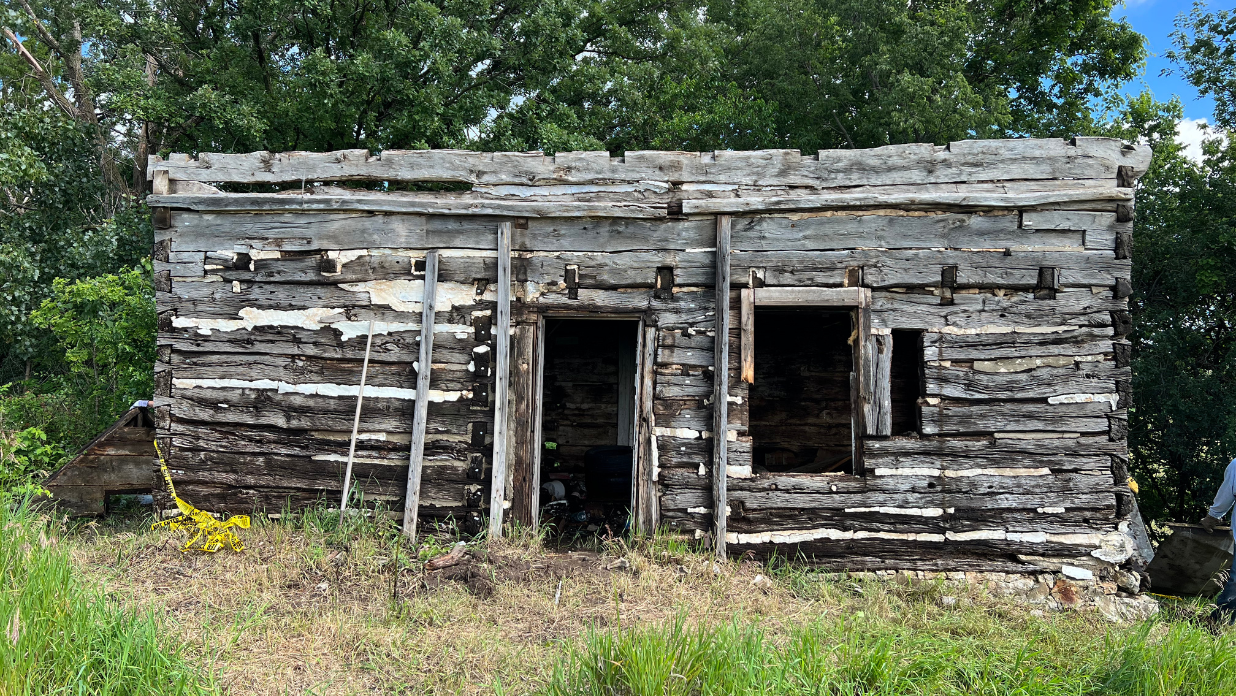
point(587, 426)
point(801, 416)
point(906, 381)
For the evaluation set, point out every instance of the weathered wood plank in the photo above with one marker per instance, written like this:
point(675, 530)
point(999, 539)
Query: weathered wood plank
point(420, 414)
point(637, 269)
point(824, 232)
point(961, 161)
point(522, 442)
point(502, 342)
point(990, 417)
point(683, 498)
point(359, 230)
point(925, 200)
point(388, 203)
point(646, 498)
point(990, 313)
point(1097, 378)
point(747, 335)
point(1081, 341)
point(926, 485)
point(811, 297)
point(937, 452)
point(304, 412)
point(893, 268)
point(721, 387)
point(878, 408)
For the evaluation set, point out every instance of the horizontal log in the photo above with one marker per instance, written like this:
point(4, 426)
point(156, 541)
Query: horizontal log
point(974, 452)
point(637, 269)
point(992, 417)
point(450, 371)
point(943, 231)
point(1041, 383)
point(220, 498)
point(897, 164)
point(682, 498)
point(808, 484)
point(959, 521)
point(884, 269)
point(333, 444)
point(391, 342)
point(375, 201)
point(924, 200)
point(359, 230)
point(303, 412)
point(989, 313)
point(995, 346)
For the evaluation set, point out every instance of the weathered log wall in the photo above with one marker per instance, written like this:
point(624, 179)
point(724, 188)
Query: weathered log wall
point(1018, 289)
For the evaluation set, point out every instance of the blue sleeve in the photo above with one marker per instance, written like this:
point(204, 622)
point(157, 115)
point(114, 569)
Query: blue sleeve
point(1226, 495)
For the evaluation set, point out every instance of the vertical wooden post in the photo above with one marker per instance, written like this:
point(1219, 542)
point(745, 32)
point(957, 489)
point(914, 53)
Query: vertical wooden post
point(646, 451)
point(747, 335)
point(721, 385)
point(538, 381)
point(502, 376)
point(412, 498)
point(520, 438)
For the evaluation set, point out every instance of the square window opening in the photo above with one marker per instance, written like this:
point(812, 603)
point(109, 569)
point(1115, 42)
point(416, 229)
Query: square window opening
point(801, 416)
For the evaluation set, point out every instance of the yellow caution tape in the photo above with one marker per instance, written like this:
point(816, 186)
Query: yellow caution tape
point(1133, 485)
point(213, 533)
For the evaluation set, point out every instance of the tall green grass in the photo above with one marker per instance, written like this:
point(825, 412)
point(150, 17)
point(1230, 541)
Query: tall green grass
point(848, 657)
point(60, 634)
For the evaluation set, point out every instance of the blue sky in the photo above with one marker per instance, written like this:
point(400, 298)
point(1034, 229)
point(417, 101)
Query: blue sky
point(1155, 19)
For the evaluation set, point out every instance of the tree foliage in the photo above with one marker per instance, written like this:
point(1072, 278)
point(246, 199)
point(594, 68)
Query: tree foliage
point(1183, 425)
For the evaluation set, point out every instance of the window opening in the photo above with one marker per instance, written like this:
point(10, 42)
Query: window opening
point(801, 409)
point(587, 427)
point(906, 381)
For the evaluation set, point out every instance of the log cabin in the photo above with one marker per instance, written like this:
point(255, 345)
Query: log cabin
point(907, 357)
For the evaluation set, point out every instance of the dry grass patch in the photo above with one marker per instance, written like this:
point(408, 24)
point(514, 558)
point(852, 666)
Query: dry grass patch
point(312, 608)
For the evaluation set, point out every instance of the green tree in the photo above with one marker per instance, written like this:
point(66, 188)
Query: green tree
point(104, 329)
point(817, 74)
point(1183, 424)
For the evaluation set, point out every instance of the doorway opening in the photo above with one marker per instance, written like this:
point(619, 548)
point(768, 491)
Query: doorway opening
point(801, 408)
point(588, 406)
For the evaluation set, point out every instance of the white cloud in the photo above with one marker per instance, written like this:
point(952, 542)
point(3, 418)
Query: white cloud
point(1191, 132)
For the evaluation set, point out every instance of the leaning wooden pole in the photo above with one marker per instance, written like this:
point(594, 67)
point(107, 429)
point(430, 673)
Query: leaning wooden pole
point(721, 384)
point(360, 399)
point(412, 500)
point(502, 351)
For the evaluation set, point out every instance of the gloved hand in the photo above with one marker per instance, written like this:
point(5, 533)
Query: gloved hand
point(1211, 522)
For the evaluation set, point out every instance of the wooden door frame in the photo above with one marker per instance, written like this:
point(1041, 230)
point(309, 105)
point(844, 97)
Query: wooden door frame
point(638, 404)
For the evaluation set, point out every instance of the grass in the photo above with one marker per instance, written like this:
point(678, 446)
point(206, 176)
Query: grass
point(317, 606)
point(870, 655)
point(63, 635)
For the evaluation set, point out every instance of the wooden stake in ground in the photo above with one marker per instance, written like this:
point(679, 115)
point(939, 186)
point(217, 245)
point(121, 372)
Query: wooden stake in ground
point(412, 497)
point(360, 399)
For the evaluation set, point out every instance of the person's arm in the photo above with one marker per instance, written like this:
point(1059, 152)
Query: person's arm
point(1224, 498)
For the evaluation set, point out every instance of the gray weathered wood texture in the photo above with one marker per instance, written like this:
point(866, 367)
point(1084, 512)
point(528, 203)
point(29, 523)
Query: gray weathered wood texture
point(721, 388)
point(502, 336)
point(960, 161)
point(420, 415)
